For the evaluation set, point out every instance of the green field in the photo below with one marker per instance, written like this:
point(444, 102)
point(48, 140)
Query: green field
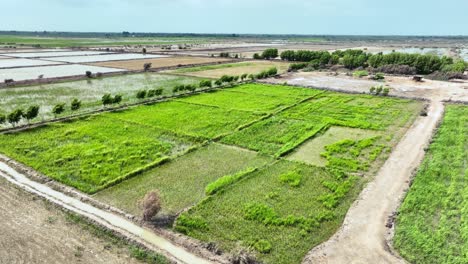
point(229, 195)
point(432, 225)
point(89, 92)
point(182, 182)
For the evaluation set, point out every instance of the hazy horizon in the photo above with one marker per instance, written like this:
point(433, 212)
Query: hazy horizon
point(277, 17)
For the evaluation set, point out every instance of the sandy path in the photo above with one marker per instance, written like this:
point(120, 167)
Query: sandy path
point(109, 220)
point(362, 237)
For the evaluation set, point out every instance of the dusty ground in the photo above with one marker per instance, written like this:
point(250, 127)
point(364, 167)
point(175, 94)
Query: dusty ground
point(400, 86)
point(159, 62)
point(33, 231)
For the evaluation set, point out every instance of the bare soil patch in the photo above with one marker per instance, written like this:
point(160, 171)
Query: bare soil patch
point(34, 231)
point(159, 62)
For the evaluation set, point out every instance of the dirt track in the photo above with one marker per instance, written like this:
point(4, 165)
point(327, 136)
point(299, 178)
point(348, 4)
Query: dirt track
point(109, 220)
point(364, 237)
point(361, 239)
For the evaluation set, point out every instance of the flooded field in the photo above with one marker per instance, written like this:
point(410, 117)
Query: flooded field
point(11, 63)
point(57, 53)
point(107, 57)
point(21, 74)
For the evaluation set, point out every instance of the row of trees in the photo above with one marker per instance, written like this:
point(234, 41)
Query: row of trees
point(352, 59)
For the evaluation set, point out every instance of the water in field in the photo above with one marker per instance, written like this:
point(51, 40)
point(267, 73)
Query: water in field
point(106, 57)
point(58, 53)
point(31, 73)
point(9, 63)
point(89, 92)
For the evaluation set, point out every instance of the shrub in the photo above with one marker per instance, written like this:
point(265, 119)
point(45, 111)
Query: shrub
point(224, 55)
point(107, 99)
point(385, 91)
point(141, 94)
point(154, 92)
point(270, 54)
point(297, 66)
point(243, 76)
point(151, 205)
point(75, 104)
point(2, 119)
point(58, 109)
point(31, 112)
point(256, 56)
point(117, 99)
point(147, 66)
point(378, 76)
point(218, 83)
point(292, 178)
point(89, 74)
point(15, 116)
point(205, 83)
point(360, 74)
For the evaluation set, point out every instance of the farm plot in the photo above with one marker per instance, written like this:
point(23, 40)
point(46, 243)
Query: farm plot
point(432, 224)
point(55, 53)
point(31, 73)
point(159, 62)
point(216, 71)
point(189, 119)
point(182, 181)
point(89, 92)
point(12, 63)
point(105, 57)
point(92, 153)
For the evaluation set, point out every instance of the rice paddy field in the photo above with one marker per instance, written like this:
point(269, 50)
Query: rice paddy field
point(32, 73)
point(229, 164)
point(47, 54)
point(11, 63)
point(159, 62)
point(105, 57)
point(89, 92)
point(432, 225)
point(216, 71)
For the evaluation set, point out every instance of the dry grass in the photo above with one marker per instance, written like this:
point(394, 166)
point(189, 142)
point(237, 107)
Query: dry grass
point(159, 62)
point(251, 67)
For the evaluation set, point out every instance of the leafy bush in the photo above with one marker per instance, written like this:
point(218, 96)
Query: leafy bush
point(31, 112)
point(154, 92)
point(75, 104)
point(117, 99)
point(270, 54)
point(141, 94)
point(2, 119)
point(107, 99)
point(360, 74)
point(205, 83)
point(292, 178)
point(15, 116)
point(297, 66)
point(58, 109)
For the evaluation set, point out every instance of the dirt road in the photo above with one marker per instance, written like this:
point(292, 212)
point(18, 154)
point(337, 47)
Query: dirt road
point(111, 221)
point(361, 239)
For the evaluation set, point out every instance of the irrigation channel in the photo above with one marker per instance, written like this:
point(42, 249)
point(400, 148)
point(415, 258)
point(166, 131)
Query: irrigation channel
point(109, 220)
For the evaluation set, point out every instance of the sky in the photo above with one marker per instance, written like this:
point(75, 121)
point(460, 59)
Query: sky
point(321, 17)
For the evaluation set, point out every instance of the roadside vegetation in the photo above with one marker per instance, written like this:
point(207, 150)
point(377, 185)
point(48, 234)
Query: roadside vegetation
point(432, 225)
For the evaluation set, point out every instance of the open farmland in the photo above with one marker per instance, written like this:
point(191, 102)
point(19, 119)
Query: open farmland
point(14, 63)
point(216, 71)
point(159, 62)
point(31, 73)
point(89, 92)
point(105, 57)
point(48, 54)
point(228, 191)
point(432, 225)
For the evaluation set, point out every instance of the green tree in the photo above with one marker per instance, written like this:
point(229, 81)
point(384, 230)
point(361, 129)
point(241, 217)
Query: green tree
point(75, 104)
point(117, 99)
point(15, 116)
point(141, 94)
point(107, 99)
point(31, 113)
point(270, 54)
point(58, 109)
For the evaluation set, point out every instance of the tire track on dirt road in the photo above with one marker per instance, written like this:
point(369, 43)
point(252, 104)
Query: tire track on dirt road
point(107, 219)
point(363, 235)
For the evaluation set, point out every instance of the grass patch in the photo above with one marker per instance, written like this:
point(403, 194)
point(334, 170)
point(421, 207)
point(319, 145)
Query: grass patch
point(276, 90)
point(182, 182)
point(432, 226)
point(189, 119)
point(92, 152)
